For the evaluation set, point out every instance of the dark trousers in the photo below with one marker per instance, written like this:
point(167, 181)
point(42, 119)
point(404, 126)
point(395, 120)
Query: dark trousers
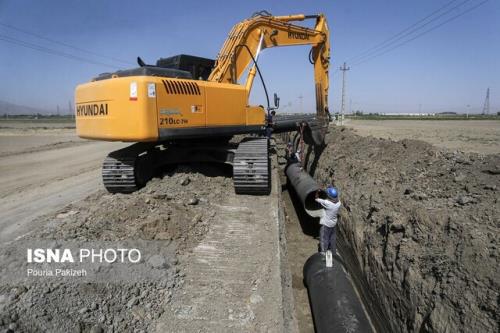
point(327, 239)
point(269, 132)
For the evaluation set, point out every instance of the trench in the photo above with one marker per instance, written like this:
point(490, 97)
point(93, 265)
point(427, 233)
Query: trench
point(301, 232)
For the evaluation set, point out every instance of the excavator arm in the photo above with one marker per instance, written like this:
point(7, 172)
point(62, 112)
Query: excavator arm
point(261, 31)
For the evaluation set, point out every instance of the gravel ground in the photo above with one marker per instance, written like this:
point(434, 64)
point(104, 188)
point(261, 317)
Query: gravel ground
point(175, 210)
point(420, 227)
point(210, 263)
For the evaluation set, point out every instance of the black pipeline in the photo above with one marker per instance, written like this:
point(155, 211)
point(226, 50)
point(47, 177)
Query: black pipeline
point(305, 187)
point(291, 123)
point(334, 303)
point(313, 130)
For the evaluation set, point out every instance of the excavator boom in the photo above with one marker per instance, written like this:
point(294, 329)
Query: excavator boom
point(259, 32)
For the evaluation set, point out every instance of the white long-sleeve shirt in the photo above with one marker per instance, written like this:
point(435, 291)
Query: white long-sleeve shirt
point(330, 212)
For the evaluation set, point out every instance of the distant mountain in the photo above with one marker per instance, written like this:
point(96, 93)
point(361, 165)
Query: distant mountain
point(14, 109)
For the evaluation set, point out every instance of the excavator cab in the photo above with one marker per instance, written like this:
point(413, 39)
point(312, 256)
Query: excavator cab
point(200, 68)
point(181, 66)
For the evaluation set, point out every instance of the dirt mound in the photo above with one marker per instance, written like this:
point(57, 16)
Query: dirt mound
point(175, 209)
point(422, 227)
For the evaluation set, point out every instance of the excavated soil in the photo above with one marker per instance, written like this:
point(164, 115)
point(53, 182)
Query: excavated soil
point(176, 207)
point(420, 229)
point(174, 211)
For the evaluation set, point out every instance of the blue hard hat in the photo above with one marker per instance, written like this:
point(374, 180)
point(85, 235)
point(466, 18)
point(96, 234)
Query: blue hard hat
point(332, 192)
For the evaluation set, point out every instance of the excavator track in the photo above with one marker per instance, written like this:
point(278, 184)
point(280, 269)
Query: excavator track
point(128, 169)
point(118, 174)
point(251, 169)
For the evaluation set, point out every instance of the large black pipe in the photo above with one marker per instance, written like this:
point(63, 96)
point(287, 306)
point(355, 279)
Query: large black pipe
point(305, 187)
point(334, 303)
point(291, 123)
point(314, 133)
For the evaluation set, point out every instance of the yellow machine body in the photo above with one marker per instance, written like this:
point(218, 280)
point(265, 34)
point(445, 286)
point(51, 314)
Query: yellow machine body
point(148, 108)
point(197, 98)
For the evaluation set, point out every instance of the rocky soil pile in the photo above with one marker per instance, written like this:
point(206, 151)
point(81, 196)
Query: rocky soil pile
point(421, 226)
point(175, 209)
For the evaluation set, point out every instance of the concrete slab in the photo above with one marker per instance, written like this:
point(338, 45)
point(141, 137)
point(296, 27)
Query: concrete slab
point(232, 279)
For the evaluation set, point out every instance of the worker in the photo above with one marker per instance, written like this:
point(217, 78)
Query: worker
point(270, 124)
point(297, 156)
point(327, 111)
point(289, 151)
point(293, 157)
point(328, 221)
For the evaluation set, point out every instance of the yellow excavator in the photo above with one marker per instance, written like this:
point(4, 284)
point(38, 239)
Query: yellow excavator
point(186, 108)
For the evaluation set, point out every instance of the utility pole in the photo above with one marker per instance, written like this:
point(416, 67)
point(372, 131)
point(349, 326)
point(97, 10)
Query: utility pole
point(486, 107)
point(342, 109)
point(71, 110)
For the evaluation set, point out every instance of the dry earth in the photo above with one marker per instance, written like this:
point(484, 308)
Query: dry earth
point(420, 233)
point(20, 137)
point(420, 228)
point(215, 263)
point(481, 136)
point(43, 167)
point(217, 271)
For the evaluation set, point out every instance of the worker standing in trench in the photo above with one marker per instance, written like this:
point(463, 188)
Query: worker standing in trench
point(328, 221)
point(270, 124)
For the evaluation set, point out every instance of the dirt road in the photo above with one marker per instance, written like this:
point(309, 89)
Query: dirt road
point(23, 136)
point(40, 180)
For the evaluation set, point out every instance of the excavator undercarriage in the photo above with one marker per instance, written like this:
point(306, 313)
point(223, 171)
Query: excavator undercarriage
point(128, 169)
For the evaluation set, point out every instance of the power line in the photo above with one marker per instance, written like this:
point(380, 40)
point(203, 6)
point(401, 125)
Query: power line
point(63, 44)
point(391, 39)
point(409, 33)
point(51, 51)
point(421, 34)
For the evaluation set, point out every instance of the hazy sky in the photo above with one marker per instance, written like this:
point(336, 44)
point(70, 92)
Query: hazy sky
point(446, 69)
